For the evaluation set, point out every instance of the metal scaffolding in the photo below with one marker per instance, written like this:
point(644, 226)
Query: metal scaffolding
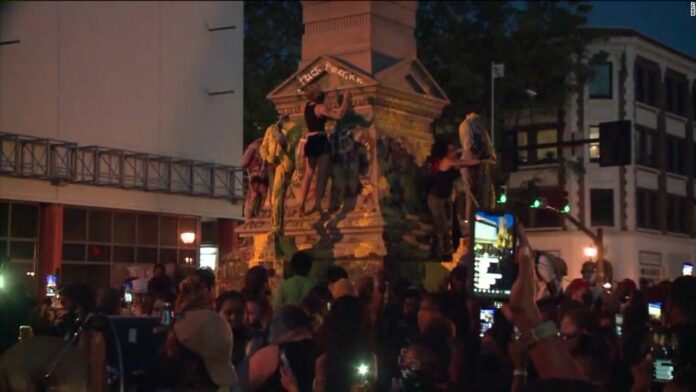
point(59, 161)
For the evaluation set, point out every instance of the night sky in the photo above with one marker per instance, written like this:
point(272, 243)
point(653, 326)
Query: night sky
point(666, 21)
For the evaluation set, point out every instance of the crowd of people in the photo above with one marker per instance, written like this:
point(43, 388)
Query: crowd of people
point(379, 333)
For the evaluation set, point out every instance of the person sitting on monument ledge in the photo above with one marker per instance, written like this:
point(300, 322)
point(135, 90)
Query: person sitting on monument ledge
point(317, 149)
point(444, 171)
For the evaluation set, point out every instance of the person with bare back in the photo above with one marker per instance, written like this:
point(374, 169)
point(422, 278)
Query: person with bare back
point(317, 148)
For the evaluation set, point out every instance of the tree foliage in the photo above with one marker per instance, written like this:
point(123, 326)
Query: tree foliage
point(542, 45)
point(272, 39)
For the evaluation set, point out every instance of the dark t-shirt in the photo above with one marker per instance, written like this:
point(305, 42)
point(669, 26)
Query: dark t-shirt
point(302, 356)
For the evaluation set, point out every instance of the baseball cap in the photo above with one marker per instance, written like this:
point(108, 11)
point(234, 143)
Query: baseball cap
point(207, 334)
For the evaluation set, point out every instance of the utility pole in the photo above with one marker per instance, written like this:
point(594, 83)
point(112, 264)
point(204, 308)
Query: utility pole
point(497, 71)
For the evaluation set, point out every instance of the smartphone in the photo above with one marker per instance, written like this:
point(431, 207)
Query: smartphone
point(285, 362)
point(51, 287)
point(687, 269)
point(663, 370)
point(618, 323)
point(166, 315)
point(128, 294)
point(662, 350)
point(485, 320)
point(655, 311)
point(494, 242)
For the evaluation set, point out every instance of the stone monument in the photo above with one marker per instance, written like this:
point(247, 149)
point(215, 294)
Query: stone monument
point(375, 210)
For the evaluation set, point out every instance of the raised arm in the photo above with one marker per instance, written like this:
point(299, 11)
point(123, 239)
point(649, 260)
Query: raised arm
point(338, 113)
point(448, 163)
point(249, 152)
point(550, 357)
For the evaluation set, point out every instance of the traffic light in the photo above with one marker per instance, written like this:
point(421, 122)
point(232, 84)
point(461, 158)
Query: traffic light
point(615, 143)
point(538, 203)
point(565, 207)
point(502, 199)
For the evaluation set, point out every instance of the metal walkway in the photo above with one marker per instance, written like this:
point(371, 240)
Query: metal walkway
point(59, 161)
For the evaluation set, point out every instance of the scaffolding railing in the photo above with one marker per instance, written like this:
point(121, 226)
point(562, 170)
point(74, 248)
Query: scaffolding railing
point(59, 161)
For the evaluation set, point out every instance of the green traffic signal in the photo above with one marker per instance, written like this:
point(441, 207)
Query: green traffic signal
point(502, 199)
point(536, 203)
point(566, 209)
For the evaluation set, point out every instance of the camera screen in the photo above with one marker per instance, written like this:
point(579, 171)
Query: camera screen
point(687, 269)
point(618, 320)
point(663, 370)
point(654, 310)
point(493, 248)
point(51, 288)
point(486, 320)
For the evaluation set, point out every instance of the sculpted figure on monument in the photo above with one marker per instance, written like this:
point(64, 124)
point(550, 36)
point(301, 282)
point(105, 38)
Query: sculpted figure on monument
point(317, 148)
point(402, 181)
point(349, 161)
point(257, 171)
point(278, 150)
point(477, 185)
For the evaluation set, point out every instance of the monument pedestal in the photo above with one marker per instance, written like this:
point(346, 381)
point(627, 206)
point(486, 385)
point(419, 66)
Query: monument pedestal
point(376, 189)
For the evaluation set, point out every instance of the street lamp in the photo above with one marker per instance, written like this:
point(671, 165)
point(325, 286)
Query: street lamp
point(590, 252)
point(188, 237)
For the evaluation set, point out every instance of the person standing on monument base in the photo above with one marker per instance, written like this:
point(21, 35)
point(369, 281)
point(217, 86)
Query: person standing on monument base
point(443, 173)
point(317, 149)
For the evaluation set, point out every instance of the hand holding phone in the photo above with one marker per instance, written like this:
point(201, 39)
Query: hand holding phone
point(493, 270)
point(287, 377)
point(285, 363)
point(663, 346)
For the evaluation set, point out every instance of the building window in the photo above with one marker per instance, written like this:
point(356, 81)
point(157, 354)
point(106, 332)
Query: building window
point(97, 237)
point(676, 91)
point(675, 154)
point(530, 138)
point(601, 83)
point(646, 81)
point(646, 209)
point(677, 214)
point(522, 141)
point(19, 230)
point(594, 147)
point(646, 146)
point(602, 207)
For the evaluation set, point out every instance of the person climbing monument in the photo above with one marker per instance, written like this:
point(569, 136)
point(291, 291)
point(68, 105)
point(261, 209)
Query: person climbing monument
point(317, 148)
point(257, 172)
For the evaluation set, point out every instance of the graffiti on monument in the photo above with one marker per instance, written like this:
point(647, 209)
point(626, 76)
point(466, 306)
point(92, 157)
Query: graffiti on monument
point(327, 67)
